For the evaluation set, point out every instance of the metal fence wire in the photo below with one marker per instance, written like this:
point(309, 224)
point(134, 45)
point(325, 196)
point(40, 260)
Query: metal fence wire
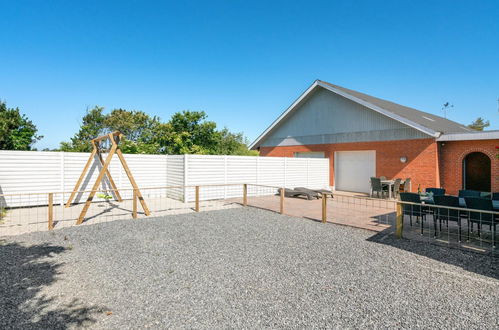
point(453, 226)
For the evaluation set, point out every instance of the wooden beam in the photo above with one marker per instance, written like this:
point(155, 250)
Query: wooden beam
point(281, 204)
point(82, 175)
point(245, 194)
point(400, 221)
point(196, 207)
point(51, 211)
point(96, 184)
point(324, 208)
point(134, 212)
point(103, 137)
point(130, 177)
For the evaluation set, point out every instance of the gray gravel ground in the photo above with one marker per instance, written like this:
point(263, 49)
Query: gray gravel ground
point(240, 268)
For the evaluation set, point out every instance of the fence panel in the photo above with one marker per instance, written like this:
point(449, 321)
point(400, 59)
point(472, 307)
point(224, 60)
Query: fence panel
point(33, 171)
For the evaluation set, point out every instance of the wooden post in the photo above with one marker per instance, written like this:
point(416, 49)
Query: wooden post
point(399, 221)
point(245, 194)
point(324, 208)
point(134, 212)
point(51, 211)
point(282, 201)
point(196, 207)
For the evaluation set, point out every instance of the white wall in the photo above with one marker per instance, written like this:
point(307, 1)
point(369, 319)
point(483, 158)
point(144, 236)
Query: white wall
point(34, 171)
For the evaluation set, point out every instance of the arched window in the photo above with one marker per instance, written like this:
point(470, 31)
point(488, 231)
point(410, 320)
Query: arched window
point(476, 172)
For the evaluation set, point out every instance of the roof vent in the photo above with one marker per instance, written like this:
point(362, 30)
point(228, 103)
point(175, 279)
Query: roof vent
point(428, 118)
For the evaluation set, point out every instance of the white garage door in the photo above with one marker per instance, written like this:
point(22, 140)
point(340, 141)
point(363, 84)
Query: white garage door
point(353, 170)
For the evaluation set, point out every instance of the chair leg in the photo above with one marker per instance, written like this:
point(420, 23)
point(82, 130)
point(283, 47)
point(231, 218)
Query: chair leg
point(468, 229)
point(410, 219)
point(422, 225)
point(459, 229)
point(493, 235)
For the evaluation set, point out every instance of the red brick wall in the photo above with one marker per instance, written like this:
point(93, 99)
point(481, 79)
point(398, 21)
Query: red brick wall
point(421, 166)
point(452, 154)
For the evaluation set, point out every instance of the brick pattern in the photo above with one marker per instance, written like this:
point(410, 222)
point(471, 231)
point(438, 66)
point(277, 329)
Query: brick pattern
point(452, 154)
point(421, 166)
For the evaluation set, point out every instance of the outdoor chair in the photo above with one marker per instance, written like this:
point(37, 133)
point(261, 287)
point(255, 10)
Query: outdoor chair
point(320, 192)
point(294, 193)
point(396, 187)
point(311, 192)
point(469, 193)
point(377, 187)
point(481, 218)
point(444, 214)
point(436, 191)
point(413, 210)
point(407, 185)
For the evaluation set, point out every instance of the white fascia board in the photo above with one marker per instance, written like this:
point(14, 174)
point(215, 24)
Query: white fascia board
point(385, 112)
point(485, 135)
point(284, 114)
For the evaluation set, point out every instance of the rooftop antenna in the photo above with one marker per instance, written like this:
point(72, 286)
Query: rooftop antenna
point(446, 107)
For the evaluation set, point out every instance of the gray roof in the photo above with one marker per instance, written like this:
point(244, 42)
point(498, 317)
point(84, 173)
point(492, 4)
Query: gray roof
point(425, 122)
point(433, 122)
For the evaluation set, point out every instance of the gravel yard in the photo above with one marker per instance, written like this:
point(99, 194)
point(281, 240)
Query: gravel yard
point(240, 268)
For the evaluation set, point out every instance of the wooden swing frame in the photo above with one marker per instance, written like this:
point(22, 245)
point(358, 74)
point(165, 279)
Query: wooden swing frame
point(115, 139)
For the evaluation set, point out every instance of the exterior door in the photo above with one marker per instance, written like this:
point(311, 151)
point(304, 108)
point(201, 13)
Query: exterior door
point(353, 170)
point(476, 172)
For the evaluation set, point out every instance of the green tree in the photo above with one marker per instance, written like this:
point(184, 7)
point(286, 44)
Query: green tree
point(233, 144)
point(479, 124)
point(93, 125)
point(17, 132)
point(187, 132)
point(190, 132)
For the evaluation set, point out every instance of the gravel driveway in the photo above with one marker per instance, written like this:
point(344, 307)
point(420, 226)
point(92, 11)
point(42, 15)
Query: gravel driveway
point(240, 268)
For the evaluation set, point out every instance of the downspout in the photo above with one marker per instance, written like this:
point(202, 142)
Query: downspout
point(437, 160)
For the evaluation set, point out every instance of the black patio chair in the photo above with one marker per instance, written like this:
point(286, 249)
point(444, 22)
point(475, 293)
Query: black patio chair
point(377, 187)
point(480, 218)
point(411, 209)
point(486, 194)
point(444, 214)
point(436, 191)
point(469, 193)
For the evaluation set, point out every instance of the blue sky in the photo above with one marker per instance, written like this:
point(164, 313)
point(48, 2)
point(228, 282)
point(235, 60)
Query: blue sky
point(243, 62)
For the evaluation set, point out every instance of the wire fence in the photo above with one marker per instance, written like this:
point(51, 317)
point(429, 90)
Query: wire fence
point(453, 226)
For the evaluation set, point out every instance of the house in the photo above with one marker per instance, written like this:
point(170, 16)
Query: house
point(365, 136)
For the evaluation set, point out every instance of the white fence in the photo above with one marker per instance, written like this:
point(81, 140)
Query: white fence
point(34, 172)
